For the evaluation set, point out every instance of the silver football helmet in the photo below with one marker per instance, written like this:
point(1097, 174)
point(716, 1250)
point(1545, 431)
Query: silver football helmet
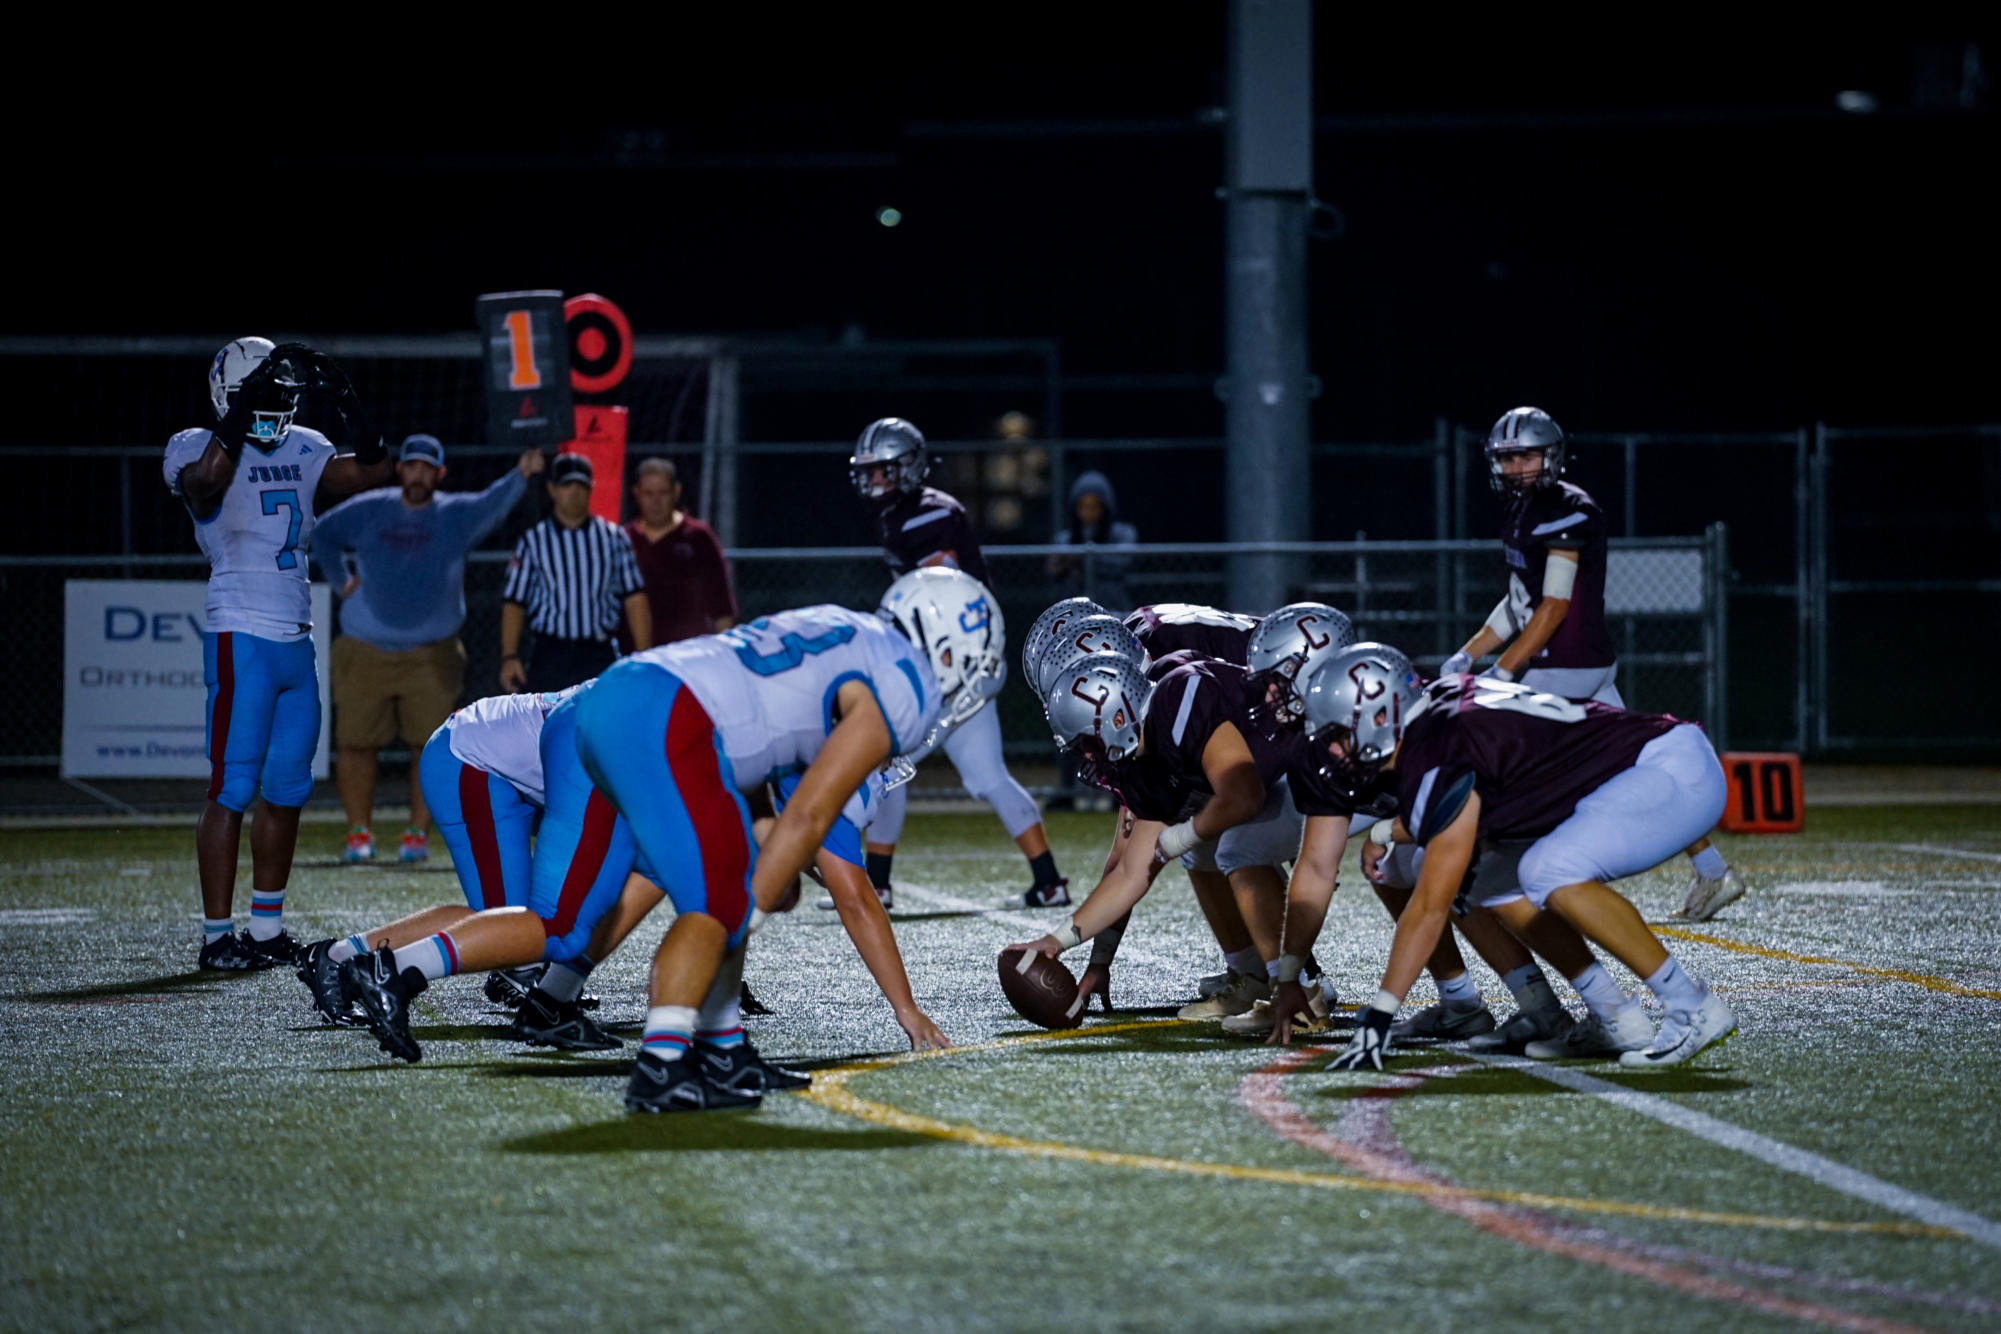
point(952, 618)
point(1357, 703)
point(226, 373)
point(1049, 624)
point(1096, 703)
point(1521, 430)
point(1284, 649)
point(889, 460)
point(1086, 634)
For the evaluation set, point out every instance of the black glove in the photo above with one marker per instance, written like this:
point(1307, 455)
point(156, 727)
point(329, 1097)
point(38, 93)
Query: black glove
point(1365, 1051)
point(362, 436)
point(259, 391)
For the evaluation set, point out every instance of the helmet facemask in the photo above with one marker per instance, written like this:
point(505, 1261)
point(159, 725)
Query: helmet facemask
point(1524, 431)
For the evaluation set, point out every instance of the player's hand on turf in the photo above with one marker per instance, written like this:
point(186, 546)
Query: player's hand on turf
point(1287, 1000)
point(924, 1035)
point(1096, 981)
point(531, 462)
point(1365, 1051)
point(1049, 945)
point(513, 676)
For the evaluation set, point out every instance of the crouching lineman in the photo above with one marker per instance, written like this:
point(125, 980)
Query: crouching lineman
point(1602, 793)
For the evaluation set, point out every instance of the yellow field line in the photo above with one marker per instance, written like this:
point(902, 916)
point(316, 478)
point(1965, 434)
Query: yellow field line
point(1925, 980)
point(830, 1090)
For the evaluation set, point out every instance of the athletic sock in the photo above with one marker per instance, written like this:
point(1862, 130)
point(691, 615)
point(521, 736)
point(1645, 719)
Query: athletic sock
point(1709, 863)
point(1529, 988)
point(434, 957)
point(343, 950)
point(1602, 996)
point(564, 982)
point(669, 1030)
point(215, 928)
point(722, 1008)
point(722, 1037)
point(1044, 867)
point(1458, 990)
point(1246, 961)
point(877, 865)
point(1676, 989)
point(267, 913)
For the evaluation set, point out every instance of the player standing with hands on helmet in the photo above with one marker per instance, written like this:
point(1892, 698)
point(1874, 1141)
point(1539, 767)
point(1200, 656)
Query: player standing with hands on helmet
point(252, 483)
point(922, 526)
point(1550, 629)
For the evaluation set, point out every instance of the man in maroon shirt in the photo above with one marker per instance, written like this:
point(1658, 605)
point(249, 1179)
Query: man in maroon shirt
point(687, 579)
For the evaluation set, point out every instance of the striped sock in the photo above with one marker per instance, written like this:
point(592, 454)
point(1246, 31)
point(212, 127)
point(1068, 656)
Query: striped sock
point(727, 1037)
point(267, 913)
point(669, 1030)
point(434, 957)
point(343, 950)
point(214, 929)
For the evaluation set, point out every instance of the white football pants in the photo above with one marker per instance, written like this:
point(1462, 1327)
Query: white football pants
point(975, 751)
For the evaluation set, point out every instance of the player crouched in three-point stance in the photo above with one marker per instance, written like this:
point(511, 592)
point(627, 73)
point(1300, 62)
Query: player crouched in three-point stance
point(253, 482)
point(922, 527)
point(1550, 629)
point(1602, 792)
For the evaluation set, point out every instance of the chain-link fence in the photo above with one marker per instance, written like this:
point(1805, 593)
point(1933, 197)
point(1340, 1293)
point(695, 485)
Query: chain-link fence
point(1426, 597)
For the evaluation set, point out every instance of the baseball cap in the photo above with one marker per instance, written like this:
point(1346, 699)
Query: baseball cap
point(427, 448)
point(570, 468)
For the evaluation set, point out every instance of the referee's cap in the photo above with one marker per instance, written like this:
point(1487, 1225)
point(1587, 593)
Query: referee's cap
point(570, 468)
point(423, 448)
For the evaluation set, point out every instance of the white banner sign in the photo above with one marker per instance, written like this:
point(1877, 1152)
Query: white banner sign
point(133, 695)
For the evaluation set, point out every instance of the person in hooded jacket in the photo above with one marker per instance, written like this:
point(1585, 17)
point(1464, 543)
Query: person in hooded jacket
point(1094, 519)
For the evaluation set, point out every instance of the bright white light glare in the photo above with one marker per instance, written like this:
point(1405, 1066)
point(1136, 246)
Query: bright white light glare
point(1856, 101)
point(888, 216)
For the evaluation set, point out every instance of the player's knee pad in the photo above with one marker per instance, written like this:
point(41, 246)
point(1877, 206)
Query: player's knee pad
point(235, 785)
point(1017, 810)
point(288, 789)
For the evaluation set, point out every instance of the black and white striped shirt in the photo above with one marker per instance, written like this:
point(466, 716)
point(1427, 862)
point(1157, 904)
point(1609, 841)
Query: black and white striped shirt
point(573, 580)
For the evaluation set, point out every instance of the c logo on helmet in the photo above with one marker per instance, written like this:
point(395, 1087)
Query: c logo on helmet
point(1362, 690)
point(976, 608)
point(1097, 701)
point(1311, 642)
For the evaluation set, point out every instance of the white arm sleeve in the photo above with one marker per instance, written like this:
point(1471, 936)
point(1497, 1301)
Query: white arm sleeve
point(1502, 621)
point(1559, 576)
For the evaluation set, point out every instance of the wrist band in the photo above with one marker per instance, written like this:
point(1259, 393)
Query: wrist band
point(1383, 833)
point(1289, 966)
point(1386, 1002)
point(1067, 935)
point(1500, 673)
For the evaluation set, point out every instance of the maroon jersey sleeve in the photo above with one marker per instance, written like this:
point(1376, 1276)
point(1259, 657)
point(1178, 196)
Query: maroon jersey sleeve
point(922, 524)
point(1175, 627)
point(1187, 706)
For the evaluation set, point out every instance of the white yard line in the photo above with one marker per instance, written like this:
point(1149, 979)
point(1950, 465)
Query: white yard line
point(1822, 1171)
point(1936, 851)
point(1036, 924)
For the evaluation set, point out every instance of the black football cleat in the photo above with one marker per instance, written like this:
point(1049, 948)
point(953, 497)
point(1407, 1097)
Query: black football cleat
point(743, 1069)
point(508, 986)
point(322, 978)
point(1055, 894)
point(232, 954)
point(385, 996)
point(543, 1021)
point(280, 950)
point(749, 1004)
point(679, 1086)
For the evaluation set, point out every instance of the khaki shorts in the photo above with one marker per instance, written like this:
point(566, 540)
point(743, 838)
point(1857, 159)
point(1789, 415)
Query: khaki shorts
point(378, 693)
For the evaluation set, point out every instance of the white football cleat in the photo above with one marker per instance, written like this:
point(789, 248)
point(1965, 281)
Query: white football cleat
point(1215, 984)
point(1445, 1021)
point(1261, 1019)
point(1686, 1035)
point(1243, 992)
point(1629, 1031)
point(1706, 898)
point(1524, 1027)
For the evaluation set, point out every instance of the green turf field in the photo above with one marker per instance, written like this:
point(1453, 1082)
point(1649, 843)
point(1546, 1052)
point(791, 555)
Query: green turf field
point(196, 1151)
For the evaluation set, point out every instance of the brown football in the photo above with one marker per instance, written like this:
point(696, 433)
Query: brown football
point(1040, 989)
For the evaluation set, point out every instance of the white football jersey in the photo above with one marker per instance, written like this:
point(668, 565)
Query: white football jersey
point(257, 540)
point(769, 685)
point(502, 734)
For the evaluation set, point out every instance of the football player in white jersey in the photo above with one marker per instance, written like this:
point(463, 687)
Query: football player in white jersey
point(252, 483)
point(654, 761)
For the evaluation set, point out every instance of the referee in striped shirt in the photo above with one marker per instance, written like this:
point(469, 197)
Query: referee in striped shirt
point(568, 578)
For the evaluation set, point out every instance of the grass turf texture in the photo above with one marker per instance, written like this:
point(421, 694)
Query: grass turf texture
point(196, 1151)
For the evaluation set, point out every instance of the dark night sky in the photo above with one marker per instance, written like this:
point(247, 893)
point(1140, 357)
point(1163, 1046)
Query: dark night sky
point(1656, 230)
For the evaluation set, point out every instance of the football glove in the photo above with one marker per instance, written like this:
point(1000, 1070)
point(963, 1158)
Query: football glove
point(1365, 1051)
point(259, 391)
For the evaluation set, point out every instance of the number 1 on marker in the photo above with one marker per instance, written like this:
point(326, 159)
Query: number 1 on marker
point(522, 373)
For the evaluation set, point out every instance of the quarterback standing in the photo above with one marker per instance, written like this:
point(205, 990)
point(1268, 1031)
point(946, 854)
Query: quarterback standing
point(922, 526)
point(252, 483)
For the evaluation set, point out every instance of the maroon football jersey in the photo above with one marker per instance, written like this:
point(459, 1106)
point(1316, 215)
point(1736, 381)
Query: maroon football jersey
point(1317, 790)
point(922, 523)
point(1567, 518)
point(1186, 708)
point(1532, 757)
point(1171, 627)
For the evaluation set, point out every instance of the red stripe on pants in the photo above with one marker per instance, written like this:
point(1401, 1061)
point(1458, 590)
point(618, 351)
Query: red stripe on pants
point(585, 863)
point(476, 805)
point(218, 725)
point(712, 809)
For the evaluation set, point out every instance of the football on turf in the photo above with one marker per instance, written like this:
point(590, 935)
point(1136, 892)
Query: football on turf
point(1040, 989)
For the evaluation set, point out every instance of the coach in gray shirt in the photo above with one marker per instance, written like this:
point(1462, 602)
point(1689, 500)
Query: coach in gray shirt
point(399, 665)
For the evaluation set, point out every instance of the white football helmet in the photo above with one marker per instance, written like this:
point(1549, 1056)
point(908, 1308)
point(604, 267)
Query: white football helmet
point(226, 374)
point(1085, 634)
point(952, 618)
point(1361, 699)
point(1284, 649)
point(1096, 704)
